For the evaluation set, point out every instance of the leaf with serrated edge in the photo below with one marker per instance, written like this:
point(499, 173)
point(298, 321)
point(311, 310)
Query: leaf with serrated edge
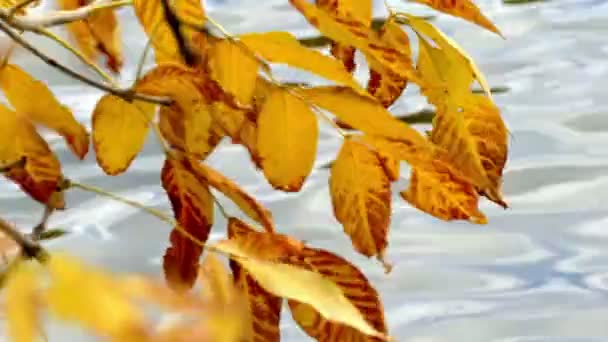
point(119, 131)
point(361, 196)
point(287, 140)
point(192, 205)
point(18, 86)
point(355, 287)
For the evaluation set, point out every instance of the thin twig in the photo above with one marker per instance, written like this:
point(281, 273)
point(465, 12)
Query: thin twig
point(30, 248)
point(121, 92)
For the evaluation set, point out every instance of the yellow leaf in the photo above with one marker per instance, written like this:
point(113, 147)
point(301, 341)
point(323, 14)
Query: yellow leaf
point(441, 190)
point(249, 205)
point(476, 141)
point(18, 87)
point(356, 289)
point(151, 15)
point(227, 120)
point(105, 28)
point(248, 137)
point(264, 307)
point(73, 283)
point(452, 50)
point(361, 113)
point(22, 303)
point(302, 285)
point(350, 31)
point(361, 197)
point(384, 84)
point(234, 69)
point(192, 205)
point(119, 131)
point(287, 140)
point(80, 30)
point(465, 9)
point(190, 11)
point(8, 140)
point(283, 47)
point(434, 67)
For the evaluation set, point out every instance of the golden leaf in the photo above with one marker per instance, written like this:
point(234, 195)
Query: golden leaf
point(227, 120)
point(434, 67)
point(8, 140)
point(151, 15)
point(249, 205)
point(359, 9)
point(442, 191)
point(80, 31)
point(465, 9)
point(22, 303)
point(283, 47)
point(361, 113)
point(190, 12)
point(384, 84)
point(300, 284)
point(73, 283)
point(192, 205)
point(452, 50)
point(119, 131)
point(476, 141)
point(356, 289)
point(106, 30)
point(350, 31)
point(361, 197)
point(18, 86)
point(287, 140)
point(264, 307)
point(248, 137)
point(234, 69)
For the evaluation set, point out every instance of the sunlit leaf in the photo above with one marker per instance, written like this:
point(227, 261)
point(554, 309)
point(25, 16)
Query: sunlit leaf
point(19, 86)
point(465, 9)
point(249, 205)
point(355, 287)
point(192, 205)
point(151, 15)
point(287, 140)
point(350, 31)
point(361, 196)
point(302, 285)
point(23, 303)
point(383, 83)
point(120, 129)
point(283, 47)
point(234, 69)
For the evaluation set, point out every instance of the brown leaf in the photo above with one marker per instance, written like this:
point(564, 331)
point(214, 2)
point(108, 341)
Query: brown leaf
point(192, 205)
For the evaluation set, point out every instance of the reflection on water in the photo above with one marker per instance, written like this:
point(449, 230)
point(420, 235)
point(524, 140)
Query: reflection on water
point(536, 272)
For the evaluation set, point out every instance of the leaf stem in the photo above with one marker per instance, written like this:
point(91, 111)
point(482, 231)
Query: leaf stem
point(30, 247)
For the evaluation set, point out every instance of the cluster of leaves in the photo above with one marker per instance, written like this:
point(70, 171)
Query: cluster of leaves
point(222, 87)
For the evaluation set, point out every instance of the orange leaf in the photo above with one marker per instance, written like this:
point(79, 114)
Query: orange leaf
point(265, 245)
point(249, 205)
point(385, 84)
point(192, 205)
point(361, 197)
point(264, 307)
point(356, 289)
point(465, 9)
point(119, 131)
point(18, 86)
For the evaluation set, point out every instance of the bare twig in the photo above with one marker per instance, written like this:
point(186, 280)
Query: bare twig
point(30, 248)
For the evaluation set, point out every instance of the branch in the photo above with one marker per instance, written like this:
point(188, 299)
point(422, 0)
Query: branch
point(30, 248)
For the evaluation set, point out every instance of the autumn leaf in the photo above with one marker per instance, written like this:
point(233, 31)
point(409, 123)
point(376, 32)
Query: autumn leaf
point(361, 196)
point(300, 284)
point(234, 69)
point(105, 28)
point(350, 31)
point(248, 137)
point(192, 205)
point(9, 153)
point(361, 113)
point(249, 205)
point(465, 9)
point(73, 283)
point(226, 120)
point(23, 303)
point(359, 9)
point(264, 307)
point(384, 84)
point(356, 289)
point(80, 30)
point(287, 140)
point(441, 190)
point(451, 49)
point(119, 131)
point(151, 15)
point(190, 12)
point(45, 110)
point(476, 141)
point(283, 47)
point(434, 66)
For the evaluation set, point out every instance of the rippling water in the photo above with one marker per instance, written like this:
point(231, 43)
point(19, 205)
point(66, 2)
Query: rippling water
point(536, 272)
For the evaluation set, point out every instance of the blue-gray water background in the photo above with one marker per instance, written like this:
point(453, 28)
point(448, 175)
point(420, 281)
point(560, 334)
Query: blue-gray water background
point(536, 272)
